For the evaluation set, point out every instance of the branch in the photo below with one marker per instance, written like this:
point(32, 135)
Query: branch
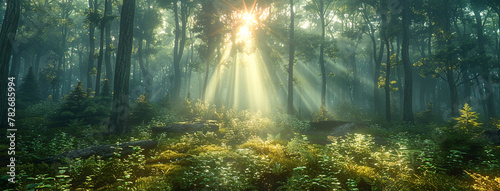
point(439, 75)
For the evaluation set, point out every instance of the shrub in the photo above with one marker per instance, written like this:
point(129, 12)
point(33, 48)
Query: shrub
point(79, 105)
point(322, 115)
point(221, 170)
point(350, 112)
point(142, 112)
point(427, 116)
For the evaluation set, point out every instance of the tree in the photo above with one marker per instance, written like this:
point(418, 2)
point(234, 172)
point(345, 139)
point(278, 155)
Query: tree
point(93, 19)
point(75, 104)
point(477, 7)
point(405, 53)
point(108, 11)
point(180, 21)
point(119, 119)
point(207, 24)
point(102, 24)
point(321, 8)
point(78, 105)
point(291, 54)
point(7, 37)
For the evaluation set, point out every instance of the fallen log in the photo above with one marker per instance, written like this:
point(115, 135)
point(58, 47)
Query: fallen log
point(187, 127)
point(104, 151)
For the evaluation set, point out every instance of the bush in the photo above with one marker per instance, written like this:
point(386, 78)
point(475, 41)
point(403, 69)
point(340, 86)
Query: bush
point(79, 105)
point(142, 112)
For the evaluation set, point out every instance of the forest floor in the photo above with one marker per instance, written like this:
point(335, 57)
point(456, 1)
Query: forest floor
point(203, 148)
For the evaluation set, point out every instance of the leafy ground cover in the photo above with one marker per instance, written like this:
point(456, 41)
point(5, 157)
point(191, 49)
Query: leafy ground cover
point(256, 151)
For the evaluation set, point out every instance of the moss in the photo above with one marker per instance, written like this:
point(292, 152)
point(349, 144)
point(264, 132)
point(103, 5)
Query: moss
point(169, 156)
point(164, 169)
point(206, 148)
point(152, 183)
point(264, 147)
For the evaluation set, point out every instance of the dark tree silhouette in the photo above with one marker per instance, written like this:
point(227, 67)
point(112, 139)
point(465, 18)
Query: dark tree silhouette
point(119, 119)
point(7, 36)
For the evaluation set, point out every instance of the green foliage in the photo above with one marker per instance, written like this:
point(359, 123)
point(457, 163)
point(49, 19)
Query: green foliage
point(200, 110)
point(33, 145)
point(221, 171)
point(322, 115)
point(44, 109)
point(48, 78)
point(350, 112)
point(427, 116)
point(59, 182)
point(301, 180)
point(253, 151)
point(468, 120)
point(143, 111)
point(79, 105)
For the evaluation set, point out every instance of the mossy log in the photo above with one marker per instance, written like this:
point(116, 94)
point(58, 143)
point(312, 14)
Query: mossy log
point(104, 151)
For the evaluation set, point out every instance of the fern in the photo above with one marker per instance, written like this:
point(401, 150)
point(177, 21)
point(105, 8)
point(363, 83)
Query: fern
point(468, 120)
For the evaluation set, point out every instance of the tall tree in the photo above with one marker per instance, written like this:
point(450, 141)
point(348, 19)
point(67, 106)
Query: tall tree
point(384, 33)
point(405, 53)
point(102, 24)
point(119, 119)
point(92, 19)
point(322, 7)
point(207, 24)
point(291, 54)
point(179, 41)
point(108, 11)
point(7, 37)
point(377, 57)
point(477, 7)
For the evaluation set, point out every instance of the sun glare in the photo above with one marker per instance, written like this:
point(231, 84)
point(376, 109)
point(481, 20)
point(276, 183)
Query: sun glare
point(248, 22)
point(239, 80)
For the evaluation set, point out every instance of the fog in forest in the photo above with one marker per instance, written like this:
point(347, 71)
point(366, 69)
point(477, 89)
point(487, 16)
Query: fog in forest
point(250, 94)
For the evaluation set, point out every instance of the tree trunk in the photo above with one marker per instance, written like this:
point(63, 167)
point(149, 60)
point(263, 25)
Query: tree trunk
point(453, 93)
point(144, 70)
point(377, 60)
point(16, 65)
point(484, 66)
point(405, 53)
point(291, 54)
point(108, 11)
point(180, 41)
point(99, 61)
point(7, 37)
point(119, 119)
point(321, 54)
point(387, 81)
point(209, 11)
point(90, 65)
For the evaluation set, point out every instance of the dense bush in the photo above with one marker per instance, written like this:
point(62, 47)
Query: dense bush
point(79, 105)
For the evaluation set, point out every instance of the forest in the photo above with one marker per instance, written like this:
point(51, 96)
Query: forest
point(250, 95)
